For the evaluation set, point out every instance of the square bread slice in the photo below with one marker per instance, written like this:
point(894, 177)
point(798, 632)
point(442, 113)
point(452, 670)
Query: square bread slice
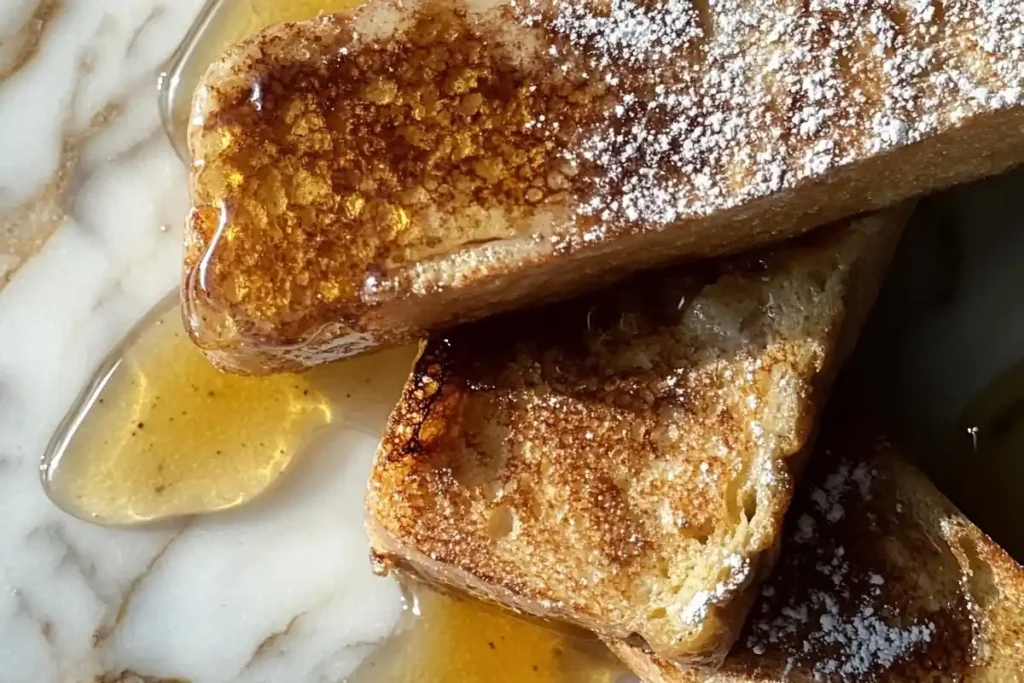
point(881, 579)
point(360, 180)
point(624, 461)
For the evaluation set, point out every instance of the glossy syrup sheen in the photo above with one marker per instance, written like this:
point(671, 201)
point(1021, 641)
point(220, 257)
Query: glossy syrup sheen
point(222, 23)
point(160, 433)
point(445, 639)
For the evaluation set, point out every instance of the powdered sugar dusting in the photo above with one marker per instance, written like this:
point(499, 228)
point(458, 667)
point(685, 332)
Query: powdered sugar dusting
point(750, 98)
point(696, 610)
point(843, 629)
point(628, 33)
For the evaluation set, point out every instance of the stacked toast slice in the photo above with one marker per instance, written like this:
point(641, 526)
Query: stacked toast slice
point(880, 579)
point(624, 461)
point(362, 179)
point(539, 463)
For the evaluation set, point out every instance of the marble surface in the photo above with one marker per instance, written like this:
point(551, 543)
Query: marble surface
point(91, 202)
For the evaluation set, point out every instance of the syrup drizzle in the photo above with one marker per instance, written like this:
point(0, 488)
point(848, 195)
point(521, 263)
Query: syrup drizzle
point(445, 639)
point(159, 432)
point(146, 440)
point(221, 23)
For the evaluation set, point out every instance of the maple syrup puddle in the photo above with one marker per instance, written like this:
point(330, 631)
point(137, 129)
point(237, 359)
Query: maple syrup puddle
point(160, 433)
point(453, 639)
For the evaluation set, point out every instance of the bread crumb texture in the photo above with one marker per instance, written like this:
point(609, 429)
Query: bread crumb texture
point(334, 155)
point(622, 460)
point(880, 579)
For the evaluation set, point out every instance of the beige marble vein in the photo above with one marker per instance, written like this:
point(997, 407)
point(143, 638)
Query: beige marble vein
point(20, 38)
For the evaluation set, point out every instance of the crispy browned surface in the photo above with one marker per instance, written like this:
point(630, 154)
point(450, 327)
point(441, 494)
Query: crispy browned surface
point(881, 579)
point(362, 179)
point(624, 461)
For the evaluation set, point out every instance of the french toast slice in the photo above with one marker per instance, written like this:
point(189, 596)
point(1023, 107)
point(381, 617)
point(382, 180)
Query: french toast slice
point(881, 579)
point(359, 180)
point(624, 461)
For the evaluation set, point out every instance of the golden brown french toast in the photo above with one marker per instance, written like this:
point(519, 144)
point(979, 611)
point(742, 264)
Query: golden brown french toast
point(624, 461)
point(361, 179)
point(881, 579)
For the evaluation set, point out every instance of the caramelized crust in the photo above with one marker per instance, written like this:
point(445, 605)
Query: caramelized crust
point(360, 180)
point(624, 461)
point(881, 579)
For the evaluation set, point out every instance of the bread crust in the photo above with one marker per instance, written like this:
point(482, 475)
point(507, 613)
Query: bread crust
point(881, 579)
point(624, 461)
point(361, 180)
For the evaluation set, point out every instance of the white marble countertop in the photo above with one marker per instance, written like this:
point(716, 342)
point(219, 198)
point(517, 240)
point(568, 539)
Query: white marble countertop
point(277, 592)
point(91, 203)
